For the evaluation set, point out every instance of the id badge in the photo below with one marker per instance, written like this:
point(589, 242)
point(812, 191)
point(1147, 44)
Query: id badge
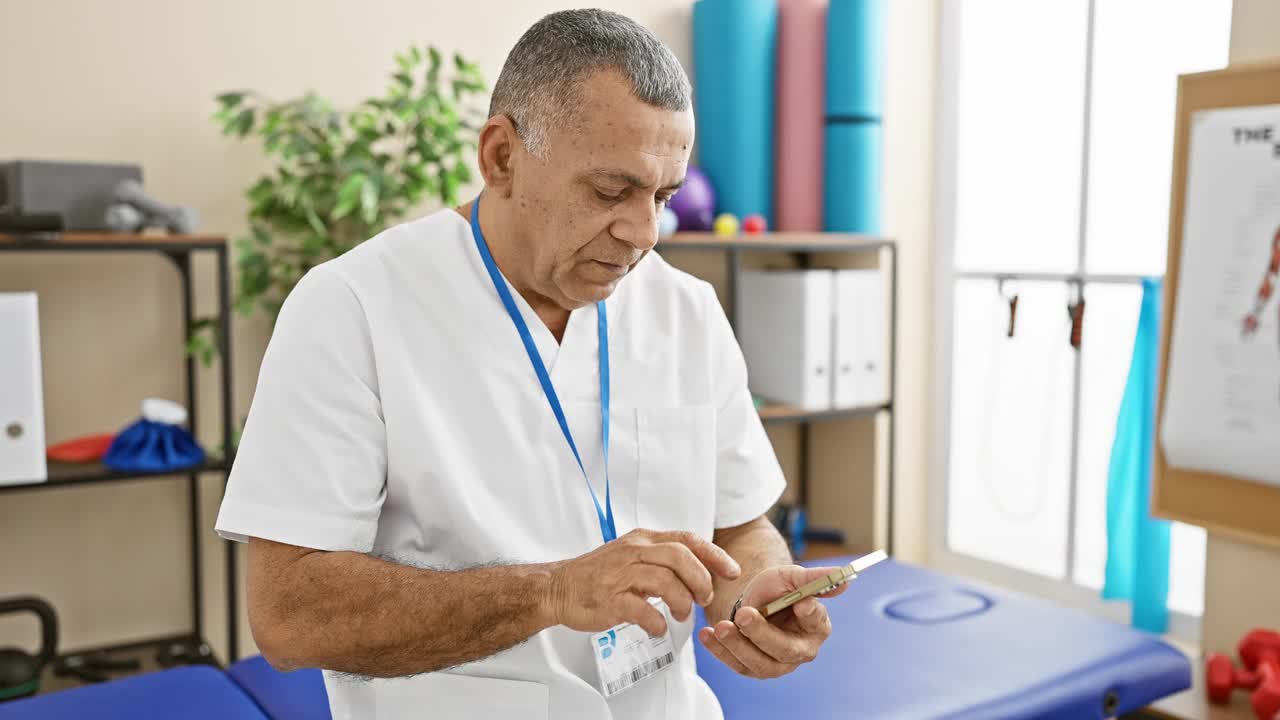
point(626, 655)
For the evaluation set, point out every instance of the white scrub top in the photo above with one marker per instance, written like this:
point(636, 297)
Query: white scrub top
point(397, 413)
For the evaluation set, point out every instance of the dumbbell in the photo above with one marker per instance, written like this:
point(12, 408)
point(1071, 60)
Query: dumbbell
point(134, 209)
point(1259, 650)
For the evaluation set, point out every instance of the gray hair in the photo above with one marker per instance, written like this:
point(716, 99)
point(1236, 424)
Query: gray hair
point(540, 83)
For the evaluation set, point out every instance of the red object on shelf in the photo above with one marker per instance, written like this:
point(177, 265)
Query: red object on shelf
point(1260, 652)
point(86, 449)
point(753, 224)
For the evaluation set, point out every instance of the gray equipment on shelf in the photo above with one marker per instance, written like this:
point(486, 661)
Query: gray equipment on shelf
point(77, 193)
point(134, 210)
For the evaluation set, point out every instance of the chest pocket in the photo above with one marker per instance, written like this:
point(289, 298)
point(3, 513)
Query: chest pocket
point(677, 468)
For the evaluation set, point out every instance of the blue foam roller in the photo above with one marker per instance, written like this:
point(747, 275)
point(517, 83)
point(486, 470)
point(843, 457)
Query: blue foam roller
point(851, 182)
point(855, 58)
point(734, 43)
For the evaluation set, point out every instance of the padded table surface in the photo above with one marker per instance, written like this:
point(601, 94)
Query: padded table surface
point(911, 643)
point(197, 692)
point(297, 695)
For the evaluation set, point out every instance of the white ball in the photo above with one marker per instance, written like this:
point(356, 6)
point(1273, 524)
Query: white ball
point(667, 223)
point(159, 410)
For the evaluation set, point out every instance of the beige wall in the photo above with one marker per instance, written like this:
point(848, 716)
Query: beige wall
point(910, 101)
point(134, 81)
point(1242, 581)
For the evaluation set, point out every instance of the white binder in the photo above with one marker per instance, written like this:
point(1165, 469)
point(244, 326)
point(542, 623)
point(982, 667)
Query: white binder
point(860, 377)
point(784, 328)
point(22, 451)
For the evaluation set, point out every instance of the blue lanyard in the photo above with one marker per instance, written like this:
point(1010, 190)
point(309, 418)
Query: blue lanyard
point(605, 515)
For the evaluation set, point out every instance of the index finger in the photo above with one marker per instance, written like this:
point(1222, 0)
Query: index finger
point(681, 561)
point(712, 556)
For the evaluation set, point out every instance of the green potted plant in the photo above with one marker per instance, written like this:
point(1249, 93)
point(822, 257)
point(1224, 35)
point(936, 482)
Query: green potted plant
point(342, 176)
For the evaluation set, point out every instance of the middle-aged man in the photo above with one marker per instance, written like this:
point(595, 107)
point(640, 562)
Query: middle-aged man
point(422, 480)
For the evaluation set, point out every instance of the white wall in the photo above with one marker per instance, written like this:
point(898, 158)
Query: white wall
point(134, 81)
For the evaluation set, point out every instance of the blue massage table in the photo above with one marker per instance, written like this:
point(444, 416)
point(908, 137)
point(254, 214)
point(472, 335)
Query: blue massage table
point(911, 643)
point(908, 643)
point(196, 692)
point(296, 695)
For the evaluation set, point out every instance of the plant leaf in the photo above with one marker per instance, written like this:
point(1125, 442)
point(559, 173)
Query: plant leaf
point(348, 196)
point(433, 69)
point(369, 201)
point(314, 220)
point(230, 99)
point(243, 122)
point(313, 244)
point(449, 187)
point(261, 191)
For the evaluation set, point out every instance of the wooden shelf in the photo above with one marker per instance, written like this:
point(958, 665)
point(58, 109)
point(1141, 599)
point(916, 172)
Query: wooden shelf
point(821, 550)
point(778, 241)
point(782, 414)
point(1193, 704)
point(27, 242)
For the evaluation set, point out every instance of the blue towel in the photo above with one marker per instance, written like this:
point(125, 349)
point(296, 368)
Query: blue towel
point(147, 446)
point(1137, 543)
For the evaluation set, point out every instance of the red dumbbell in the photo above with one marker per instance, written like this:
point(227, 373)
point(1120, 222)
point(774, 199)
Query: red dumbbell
point(1260, 652)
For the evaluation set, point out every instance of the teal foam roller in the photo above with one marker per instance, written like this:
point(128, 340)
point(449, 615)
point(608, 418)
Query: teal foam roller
point(852, 178)
point(855, 58)
point(734, 44)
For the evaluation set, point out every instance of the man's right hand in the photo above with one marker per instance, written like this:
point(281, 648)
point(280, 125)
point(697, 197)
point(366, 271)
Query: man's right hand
point(610, 585)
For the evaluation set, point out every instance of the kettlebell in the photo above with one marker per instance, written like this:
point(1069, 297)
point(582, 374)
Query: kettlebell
point(19, 671)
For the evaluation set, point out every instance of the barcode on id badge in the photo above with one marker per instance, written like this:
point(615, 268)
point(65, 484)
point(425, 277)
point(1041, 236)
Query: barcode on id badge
point(628, 679)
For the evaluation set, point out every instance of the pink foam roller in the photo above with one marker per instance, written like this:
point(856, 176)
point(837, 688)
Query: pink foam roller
point(801, 89)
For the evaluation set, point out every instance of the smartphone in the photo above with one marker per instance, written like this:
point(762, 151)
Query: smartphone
point(827, 583)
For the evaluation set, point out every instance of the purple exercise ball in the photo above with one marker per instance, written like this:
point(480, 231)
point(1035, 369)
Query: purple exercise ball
point(695, 203)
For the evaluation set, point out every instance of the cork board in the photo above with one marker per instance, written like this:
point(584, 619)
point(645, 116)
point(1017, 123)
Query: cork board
point(1221, 503)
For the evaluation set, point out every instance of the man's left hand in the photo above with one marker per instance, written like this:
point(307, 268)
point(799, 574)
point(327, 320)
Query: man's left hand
point(767, 648)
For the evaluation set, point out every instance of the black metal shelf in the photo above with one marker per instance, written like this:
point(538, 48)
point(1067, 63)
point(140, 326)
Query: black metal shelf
point(149, 654)
point(179, 250)
point(67, 474)
point(138, 644)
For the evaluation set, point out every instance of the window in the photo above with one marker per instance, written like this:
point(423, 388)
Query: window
point(1055, 153)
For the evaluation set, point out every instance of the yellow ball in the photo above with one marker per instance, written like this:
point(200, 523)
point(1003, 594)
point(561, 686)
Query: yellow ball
point(726, 224)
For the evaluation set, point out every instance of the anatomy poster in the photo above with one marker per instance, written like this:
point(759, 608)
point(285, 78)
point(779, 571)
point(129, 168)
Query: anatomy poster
point(1222, 409)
